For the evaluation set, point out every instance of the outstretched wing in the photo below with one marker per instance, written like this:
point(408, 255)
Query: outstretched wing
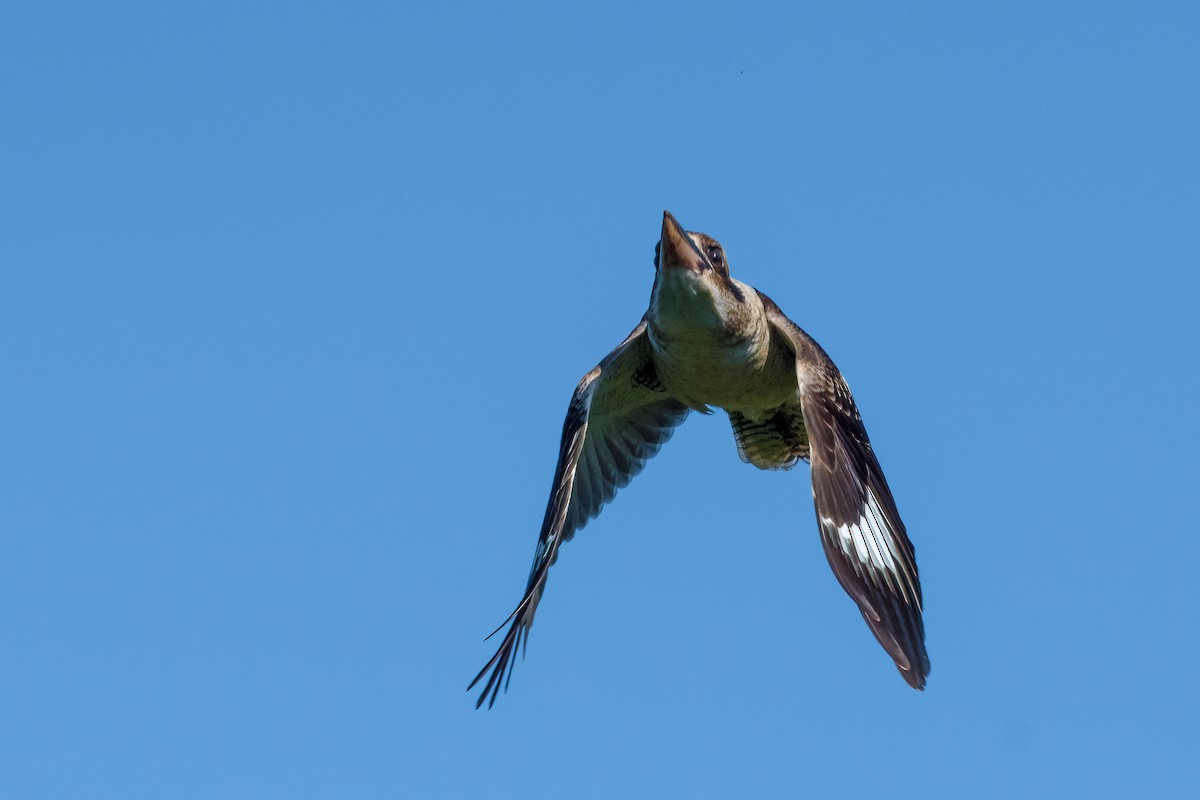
point(861, 531)
point(618, 418)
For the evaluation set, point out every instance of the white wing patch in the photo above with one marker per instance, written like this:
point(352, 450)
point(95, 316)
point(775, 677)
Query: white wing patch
point(870, 546)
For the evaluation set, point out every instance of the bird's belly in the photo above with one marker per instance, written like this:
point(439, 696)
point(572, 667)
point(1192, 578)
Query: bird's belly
point(735, 376)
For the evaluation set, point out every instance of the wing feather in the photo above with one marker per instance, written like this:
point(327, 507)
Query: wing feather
point(861, 531)
point(615, 422)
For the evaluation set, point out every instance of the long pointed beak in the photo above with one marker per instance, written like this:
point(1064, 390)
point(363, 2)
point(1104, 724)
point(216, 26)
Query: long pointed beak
point(677, 248)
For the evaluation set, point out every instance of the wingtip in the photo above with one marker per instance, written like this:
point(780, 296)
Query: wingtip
point(913, 678)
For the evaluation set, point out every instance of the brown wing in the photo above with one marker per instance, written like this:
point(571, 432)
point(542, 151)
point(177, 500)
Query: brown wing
point(861, 530)
point(618, 418)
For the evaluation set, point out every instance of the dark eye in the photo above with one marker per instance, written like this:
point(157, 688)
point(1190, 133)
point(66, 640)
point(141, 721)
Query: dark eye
point(716, 256)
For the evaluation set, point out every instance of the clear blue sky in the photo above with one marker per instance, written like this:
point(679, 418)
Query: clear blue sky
point(293, 297)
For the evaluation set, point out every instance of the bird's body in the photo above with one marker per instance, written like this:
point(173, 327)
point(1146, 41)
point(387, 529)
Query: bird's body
point(708, 340)
point(707, 361)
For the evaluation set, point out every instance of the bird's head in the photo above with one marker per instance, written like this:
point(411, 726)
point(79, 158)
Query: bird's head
point(691, 269)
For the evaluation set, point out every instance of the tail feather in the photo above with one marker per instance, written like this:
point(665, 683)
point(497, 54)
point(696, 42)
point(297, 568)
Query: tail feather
point(777, 441)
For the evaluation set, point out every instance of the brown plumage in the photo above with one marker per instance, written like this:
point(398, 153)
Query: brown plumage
point(710, 340)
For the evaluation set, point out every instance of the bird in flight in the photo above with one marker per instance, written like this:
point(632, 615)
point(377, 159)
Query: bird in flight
point(710, 340)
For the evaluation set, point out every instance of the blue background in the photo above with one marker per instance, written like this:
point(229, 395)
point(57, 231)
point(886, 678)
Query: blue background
point(294, 297)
